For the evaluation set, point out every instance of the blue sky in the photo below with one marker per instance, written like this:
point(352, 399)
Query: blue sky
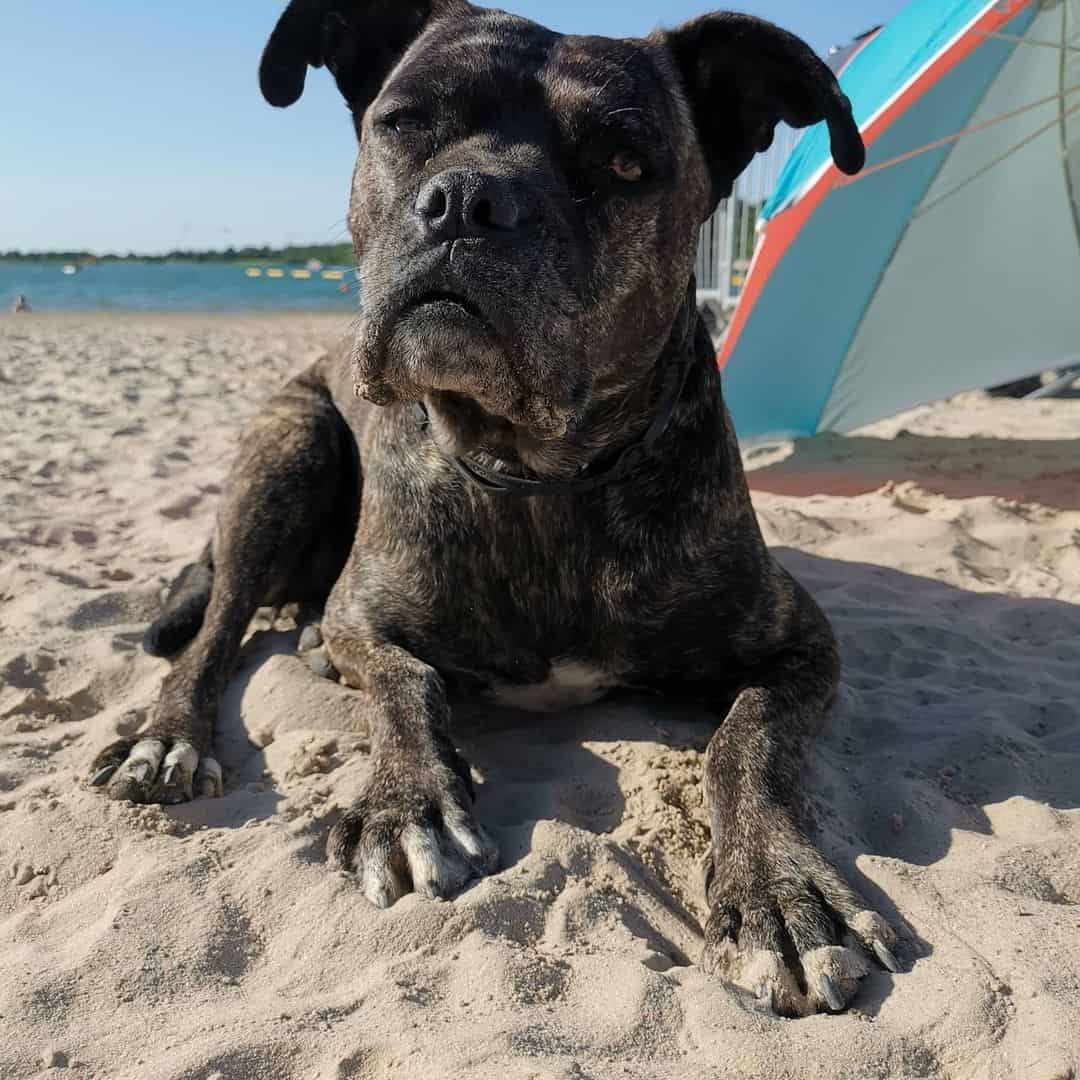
point(136, 125)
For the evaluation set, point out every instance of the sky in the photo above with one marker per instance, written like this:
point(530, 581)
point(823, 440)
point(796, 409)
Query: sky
point(138, 126)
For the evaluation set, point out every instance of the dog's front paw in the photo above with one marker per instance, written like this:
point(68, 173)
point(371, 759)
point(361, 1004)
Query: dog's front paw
point(412, 830)
point(785, 926)
point(155, 769)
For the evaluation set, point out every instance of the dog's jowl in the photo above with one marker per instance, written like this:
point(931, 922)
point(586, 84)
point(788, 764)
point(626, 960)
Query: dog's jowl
point(520, 480)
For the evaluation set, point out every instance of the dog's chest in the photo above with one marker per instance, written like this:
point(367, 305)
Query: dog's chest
point(569, 683)
point(531, 604)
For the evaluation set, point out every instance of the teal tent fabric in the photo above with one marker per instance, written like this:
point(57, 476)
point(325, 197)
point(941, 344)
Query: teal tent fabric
point(952, 268)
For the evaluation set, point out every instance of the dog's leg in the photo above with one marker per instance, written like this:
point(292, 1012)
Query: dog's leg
point(288, 506)
point(412, 828)
point(783, 923)
point(185, 606)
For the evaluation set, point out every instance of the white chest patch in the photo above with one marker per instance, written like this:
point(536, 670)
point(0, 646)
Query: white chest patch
point(569, 684)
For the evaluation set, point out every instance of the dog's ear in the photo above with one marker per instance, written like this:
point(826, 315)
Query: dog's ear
point(743, 76)
point(359, 41)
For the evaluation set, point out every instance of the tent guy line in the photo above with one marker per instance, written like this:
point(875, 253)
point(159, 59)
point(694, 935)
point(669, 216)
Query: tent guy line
point(1002, 157)
point(1060, 46)
point(844, 181)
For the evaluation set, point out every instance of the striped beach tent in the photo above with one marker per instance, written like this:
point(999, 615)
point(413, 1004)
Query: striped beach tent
point(953, 260)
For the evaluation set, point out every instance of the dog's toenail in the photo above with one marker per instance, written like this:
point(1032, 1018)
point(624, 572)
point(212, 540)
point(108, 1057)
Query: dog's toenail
point(102, 776)
point(830, 993)
point(886, 957)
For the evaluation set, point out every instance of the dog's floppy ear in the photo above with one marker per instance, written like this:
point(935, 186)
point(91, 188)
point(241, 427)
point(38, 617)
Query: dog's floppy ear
point(359, 41)
point(743, 76)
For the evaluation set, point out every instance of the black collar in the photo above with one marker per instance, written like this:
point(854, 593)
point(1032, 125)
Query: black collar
point(603, 470)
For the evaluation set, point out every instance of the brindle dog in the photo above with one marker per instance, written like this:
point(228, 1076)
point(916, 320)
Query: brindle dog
point(522, 481)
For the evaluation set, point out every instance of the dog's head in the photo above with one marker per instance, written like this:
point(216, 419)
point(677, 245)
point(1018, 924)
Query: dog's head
point(526, 205)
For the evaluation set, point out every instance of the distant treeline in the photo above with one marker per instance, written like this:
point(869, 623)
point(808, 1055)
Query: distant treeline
point(331, 254)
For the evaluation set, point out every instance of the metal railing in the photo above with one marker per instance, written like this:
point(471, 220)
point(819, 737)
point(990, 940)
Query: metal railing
point(728, 238)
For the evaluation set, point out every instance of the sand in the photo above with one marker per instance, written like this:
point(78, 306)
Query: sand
point(211, 941)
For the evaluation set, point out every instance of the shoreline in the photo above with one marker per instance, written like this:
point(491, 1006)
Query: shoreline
point(130, 315)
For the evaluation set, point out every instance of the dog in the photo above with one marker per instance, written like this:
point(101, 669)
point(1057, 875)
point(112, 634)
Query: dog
point(519, 480)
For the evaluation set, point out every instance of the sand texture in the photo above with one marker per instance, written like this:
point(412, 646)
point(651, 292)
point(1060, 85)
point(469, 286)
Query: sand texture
point(211, 941)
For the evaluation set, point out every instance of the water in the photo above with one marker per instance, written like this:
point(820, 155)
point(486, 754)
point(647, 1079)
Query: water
point(144, 286)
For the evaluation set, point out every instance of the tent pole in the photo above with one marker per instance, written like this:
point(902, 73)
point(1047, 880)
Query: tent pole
point(1063, 124)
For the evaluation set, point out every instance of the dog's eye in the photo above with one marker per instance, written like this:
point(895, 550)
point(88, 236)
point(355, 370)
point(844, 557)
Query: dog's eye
point(408, 125)
point(627, 167)
point(404, 123)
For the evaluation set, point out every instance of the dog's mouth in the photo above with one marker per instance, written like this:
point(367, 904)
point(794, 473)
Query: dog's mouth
point(444, 303)
point(441, 345)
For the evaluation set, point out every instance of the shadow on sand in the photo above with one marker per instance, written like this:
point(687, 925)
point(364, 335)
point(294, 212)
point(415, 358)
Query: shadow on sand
point(952, 702)
point(1034, 470)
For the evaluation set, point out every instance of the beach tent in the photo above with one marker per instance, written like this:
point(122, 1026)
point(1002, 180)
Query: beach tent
point(953, 260)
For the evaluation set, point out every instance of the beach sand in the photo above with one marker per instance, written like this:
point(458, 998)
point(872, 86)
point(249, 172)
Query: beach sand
point(211, 941)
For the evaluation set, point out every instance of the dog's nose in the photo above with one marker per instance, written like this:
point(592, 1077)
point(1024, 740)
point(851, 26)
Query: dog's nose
point(462, 203)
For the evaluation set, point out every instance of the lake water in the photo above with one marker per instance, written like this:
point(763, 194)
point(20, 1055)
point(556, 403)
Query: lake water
point(143, 286)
